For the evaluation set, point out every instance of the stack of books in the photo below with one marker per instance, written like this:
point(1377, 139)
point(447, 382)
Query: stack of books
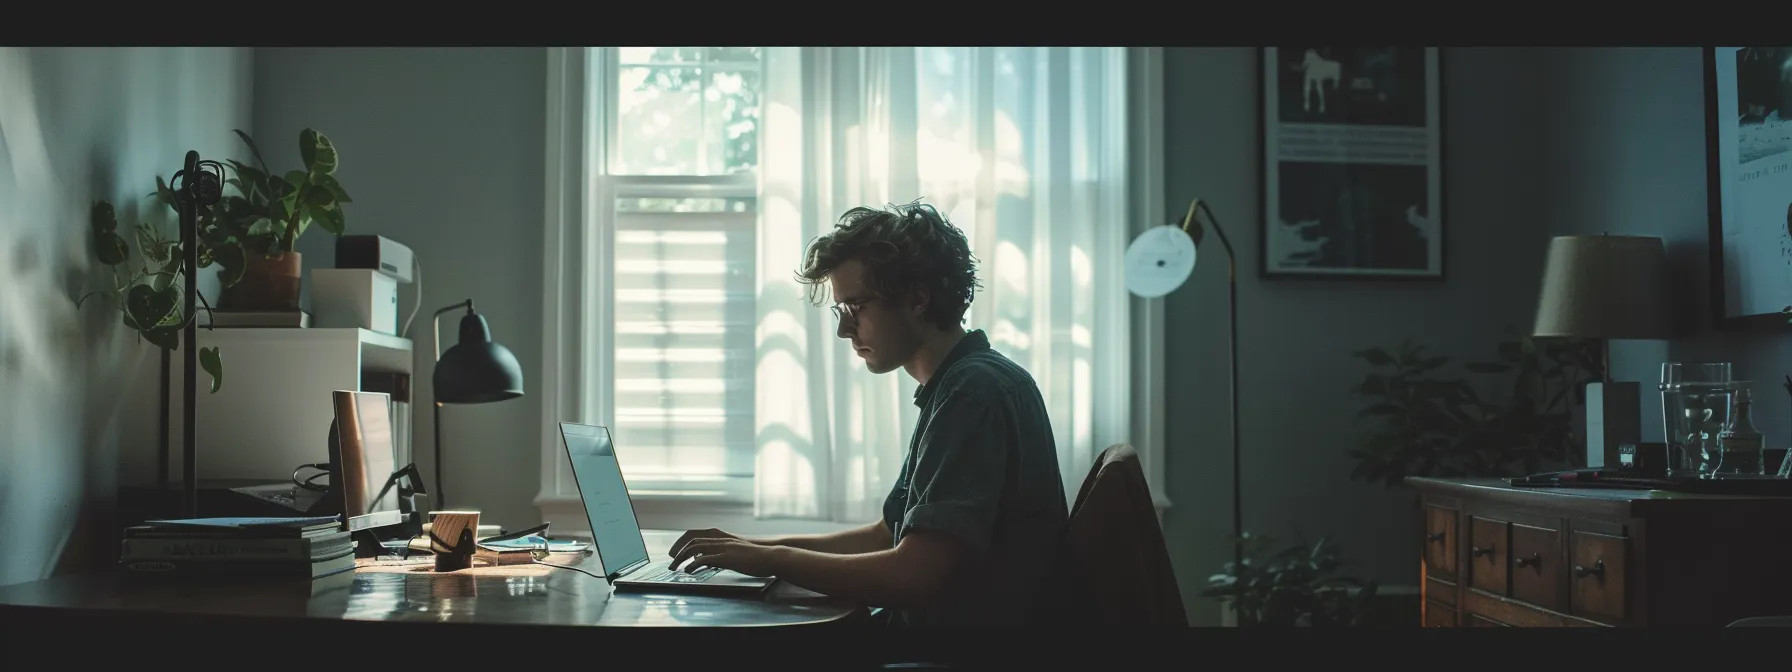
point(275, 548)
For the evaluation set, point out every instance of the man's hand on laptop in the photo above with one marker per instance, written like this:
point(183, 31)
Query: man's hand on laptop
point(678, 547)
point(732, 553)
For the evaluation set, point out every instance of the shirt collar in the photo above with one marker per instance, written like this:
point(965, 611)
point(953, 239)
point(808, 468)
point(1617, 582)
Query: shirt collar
point(972, 341)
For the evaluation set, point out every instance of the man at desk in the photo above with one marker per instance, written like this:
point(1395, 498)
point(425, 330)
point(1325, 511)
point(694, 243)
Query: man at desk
point(975, 530)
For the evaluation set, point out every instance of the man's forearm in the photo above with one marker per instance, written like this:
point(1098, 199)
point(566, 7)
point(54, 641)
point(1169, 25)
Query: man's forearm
point(871, 579)
point(866, 539)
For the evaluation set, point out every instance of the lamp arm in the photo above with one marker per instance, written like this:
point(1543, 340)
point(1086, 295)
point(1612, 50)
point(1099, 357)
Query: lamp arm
point(436, 328)
point(1231, 259)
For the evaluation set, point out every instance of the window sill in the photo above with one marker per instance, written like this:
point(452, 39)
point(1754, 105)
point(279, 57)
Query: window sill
point(566, 516)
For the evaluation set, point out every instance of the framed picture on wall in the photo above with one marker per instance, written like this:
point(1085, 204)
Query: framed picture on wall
point(1748, 94)
point(1352, 163)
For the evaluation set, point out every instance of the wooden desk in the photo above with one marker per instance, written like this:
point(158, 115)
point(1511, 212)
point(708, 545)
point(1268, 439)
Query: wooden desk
point(558, 598)
point(1498, 555)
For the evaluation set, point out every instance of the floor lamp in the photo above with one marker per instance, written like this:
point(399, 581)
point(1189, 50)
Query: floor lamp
point(474, 371)
point(1160, 260)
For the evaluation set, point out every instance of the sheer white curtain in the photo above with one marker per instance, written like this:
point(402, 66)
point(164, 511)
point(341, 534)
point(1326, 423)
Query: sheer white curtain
point(1024, 149)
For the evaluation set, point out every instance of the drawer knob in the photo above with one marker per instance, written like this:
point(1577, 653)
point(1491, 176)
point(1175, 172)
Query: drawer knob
point(1477, 551)
point(1435, 536)
point(1535, 560)
point(1598, 569)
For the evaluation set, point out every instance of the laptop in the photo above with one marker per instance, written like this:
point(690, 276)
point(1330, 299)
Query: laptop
point(621, 549)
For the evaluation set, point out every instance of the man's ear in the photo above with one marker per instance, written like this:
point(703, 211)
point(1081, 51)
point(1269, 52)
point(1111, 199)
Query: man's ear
point(918, 300)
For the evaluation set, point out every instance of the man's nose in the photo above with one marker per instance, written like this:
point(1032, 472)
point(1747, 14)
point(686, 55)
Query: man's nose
point(846, 328)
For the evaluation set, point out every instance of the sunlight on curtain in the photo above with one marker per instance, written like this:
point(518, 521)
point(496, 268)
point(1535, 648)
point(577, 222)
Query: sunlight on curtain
point(1024, 149)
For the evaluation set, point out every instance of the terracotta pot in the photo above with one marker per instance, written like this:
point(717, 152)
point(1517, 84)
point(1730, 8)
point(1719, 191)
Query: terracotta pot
point(268, 283)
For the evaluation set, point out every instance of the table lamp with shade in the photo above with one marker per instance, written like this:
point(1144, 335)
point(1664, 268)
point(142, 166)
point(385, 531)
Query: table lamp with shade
point(475, 371)
point(1606, 287)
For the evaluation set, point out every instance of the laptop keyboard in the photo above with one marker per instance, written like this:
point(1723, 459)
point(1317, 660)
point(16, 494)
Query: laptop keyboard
point(666, 575)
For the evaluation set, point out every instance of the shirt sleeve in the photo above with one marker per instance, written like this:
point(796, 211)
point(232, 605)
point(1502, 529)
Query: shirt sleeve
point(963, 463)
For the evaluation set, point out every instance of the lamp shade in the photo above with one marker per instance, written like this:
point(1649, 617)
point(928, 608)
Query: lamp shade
point(476, 370)
point(1605, 287)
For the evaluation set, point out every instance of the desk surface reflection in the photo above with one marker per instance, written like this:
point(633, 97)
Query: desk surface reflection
point(560, 597)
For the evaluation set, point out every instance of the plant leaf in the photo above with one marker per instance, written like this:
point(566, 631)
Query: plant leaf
point(253, 150)
point(1487, 367)
point(148, 305)
point(208, 360)
point(329, 218)
point(231, 261)
point(328, 182)
point(317, 152)
point(103, 217)
point(110, 248)
point(1376, 357)
point(165, 194)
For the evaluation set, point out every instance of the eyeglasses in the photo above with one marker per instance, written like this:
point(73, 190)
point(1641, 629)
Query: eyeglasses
point(845, 309)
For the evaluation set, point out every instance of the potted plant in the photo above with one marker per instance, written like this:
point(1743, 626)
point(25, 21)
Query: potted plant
point(252, 233)
point(148, 297)
point(1294, 586)
point(1432, 424)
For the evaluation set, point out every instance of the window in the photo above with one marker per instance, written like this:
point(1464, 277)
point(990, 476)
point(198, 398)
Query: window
point(684, 183)
point(681, 213)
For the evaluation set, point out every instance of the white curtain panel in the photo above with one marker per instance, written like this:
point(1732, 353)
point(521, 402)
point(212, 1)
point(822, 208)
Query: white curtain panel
point(1022, 148)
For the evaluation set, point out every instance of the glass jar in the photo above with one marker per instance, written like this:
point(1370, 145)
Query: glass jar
point(1695, 406)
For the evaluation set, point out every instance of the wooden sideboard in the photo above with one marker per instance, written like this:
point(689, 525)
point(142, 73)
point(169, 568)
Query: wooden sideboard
point(1498, 555)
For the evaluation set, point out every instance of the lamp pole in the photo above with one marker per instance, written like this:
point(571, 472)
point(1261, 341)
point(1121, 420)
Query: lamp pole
point(1192, 225)
point(436, 337)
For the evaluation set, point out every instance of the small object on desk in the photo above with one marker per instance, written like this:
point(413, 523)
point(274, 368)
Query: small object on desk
point(451, 535)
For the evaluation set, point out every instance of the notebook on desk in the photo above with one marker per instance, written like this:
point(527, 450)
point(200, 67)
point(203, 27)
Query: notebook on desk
point(621, 549)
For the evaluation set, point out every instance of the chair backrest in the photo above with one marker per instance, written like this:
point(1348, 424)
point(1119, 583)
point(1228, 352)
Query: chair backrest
point(1118, 546)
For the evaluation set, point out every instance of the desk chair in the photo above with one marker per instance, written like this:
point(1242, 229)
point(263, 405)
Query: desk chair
point(1121, 560)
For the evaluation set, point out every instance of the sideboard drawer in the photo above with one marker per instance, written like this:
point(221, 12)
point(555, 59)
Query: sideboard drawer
point(1598, 576)
point(1537, 568)
point(1440, 541)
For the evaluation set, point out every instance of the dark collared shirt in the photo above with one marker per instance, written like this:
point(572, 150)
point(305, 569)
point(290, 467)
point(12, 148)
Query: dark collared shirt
point(983, 468)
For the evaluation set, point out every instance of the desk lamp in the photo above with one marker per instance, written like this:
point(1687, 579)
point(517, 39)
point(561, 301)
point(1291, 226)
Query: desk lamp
point(1157, 262)
point(1605, 287)
point(474, 371)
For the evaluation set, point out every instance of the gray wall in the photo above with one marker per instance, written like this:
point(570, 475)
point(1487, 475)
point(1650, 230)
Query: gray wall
point(1295, 337)
point(442, 150)
point(77, 389)
point(1635, 164)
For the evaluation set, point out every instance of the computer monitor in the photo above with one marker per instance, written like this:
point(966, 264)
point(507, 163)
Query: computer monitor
point(368, 457)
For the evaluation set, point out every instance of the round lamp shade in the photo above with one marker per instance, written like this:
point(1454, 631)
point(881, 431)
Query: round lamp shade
point(476, 370)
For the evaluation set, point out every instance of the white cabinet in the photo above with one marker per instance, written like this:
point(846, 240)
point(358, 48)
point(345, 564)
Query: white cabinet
point(273, 412)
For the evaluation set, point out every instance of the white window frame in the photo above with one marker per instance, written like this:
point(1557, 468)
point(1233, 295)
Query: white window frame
point(578, 202)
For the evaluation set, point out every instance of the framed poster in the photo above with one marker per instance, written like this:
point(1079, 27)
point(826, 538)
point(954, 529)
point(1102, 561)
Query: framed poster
point(1748, 92)
point(1352, 163)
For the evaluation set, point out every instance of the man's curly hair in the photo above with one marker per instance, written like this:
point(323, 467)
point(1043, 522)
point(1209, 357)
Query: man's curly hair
point(904, 248)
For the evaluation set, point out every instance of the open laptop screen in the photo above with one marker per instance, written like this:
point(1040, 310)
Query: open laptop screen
point(599, 476)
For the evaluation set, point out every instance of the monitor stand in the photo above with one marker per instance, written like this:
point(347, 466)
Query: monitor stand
point(371, 542)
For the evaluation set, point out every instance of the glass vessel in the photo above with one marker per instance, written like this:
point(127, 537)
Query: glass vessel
point(1740, 450)
point(1695, 405)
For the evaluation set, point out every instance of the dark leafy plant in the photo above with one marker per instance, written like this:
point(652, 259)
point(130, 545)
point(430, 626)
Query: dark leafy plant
point(149, 296)
point(1429, 423)
point(1295, 586)
point(266, 216)
point(270, 211)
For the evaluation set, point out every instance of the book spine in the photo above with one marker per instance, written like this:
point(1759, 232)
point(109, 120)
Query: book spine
point(224, 549)
point(190, 566)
